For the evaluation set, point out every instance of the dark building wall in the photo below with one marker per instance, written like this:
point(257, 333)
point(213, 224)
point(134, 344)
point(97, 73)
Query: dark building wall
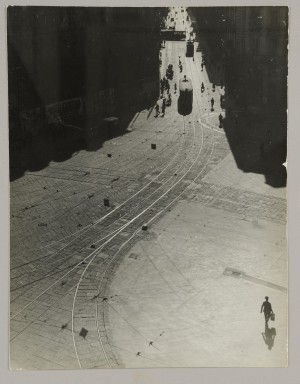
point(79, 64)
point(256, 44)
point(250, 44)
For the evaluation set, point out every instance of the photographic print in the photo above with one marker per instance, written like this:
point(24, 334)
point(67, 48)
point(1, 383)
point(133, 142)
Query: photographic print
point(148, 212)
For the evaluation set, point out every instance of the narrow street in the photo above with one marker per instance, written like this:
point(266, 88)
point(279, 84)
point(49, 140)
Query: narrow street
point(154, 251)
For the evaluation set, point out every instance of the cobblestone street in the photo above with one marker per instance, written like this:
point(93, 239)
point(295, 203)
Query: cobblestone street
point(155, 250)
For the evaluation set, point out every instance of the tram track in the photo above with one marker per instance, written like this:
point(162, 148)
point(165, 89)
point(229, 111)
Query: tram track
point(152, 219)
point(169, 125)
point(87, 244)
point(106, 215)
point(134, 234)
point(180, 161)
point(61, 278)
point(149, 214)
point(39, 277)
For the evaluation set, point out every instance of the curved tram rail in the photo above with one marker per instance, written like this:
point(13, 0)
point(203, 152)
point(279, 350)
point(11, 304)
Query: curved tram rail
point(100, 268)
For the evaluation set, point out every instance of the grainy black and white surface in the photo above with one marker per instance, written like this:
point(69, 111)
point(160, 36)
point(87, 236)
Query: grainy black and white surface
point(143, 239)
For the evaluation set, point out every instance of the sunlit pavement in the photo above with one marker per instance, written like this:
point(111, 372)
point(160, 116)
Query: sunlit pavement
point(188, 293)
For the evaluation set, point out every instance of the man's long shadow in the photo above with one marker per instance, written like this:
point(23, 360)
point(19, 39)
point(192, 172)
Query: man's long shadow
point(269, 336)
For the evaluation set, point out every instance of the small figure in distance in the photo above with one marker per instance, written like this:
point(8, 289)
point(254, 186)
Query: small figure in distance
point(157, 110)
point(267, 309)
point(167, 87)
point(169, 100)
point(163, 107)
point(220, 120)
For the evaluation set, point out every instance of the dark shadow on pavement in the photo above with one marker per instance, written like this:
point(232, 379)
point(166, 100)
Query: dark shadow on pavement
point(57, 142)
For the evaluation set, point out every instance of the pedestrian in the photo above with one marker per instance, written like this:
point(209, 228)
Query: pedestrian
point(202, 87)
point(163, 107)
point(222, 98)
point(180, 67)
point(267, 309)
point(157, 110)
point(212, 101)
point(175, 88)
point(220, 121)
point(169, 101)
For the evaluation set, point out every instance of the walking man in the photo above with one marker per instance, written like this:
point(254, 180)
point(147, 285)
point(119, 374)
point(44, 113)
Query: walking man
point(267, 308)
point(220, 121)
point(161, 86)
point(212, 101)
point(167, 86)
